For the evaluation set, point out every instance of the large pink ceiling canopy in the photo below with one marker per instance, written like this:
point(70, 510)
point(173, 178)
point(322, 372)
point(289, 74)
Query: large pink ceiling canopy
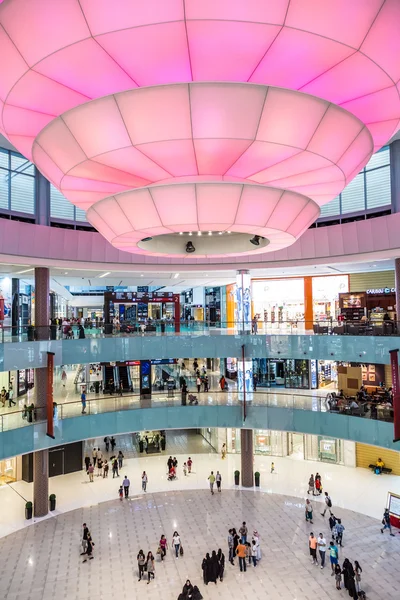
point(75, 66)
point(217, 131)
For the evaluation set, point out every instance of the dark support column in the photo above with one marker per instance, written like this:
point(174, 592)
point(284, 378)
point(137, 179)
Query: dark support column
point(41, 483)
point(246, 445)
point(395, 175)
point(41, 458)
point(397, 284)
point(42, 193)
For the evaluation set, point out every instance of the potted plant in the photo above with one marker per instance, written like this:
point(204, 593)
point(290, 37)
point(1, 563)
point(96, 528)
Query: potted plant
point(257, 478)
point(28, 510)
point(52, 501)
point(237, 474)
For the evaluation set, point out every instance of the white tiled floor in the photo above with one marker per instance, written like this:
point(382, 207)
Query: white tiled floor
point(42, 562)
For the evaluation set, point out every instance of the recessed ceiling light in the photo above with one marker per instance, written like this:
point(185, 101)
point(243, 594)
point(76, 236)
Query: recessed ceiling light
point(141, 275)
point(25, 271)
point(104, 275)
point(176, 275)
point(220, 232)
point(66, 273)
point(181, 233)
point(190, 233)
point(199, 233)
point(229, 232)
point(210, 233)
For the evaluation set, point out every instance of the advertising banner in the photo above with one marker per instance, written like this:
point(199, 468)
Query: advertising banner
point(394, 362)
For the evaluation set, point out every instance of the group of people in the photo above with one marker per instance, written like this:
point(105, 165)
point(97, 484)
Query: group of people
point(102, 464)
point(239, 546)
point(7, 396)
point(315, 485)
point(351, 574)
point(190, 592)
point(213, 567)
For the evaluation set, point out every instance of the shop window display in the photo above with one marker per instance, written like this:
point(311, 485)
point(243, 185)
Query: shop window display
point(8, 471)
point(287, 373)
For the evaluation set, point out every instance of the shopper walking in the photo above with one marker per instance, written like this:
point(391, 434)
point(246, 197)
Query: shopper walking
point(99, 455)
point(87, 462)
point(85, 534)
point(141, 559)
point(115, 468)
point(121, 492)
point(218, 480)
point(321, 542)
point(150, 567)
point(99, 468)
point(90, 472)
point(338, 576)
point(63, 377)
point(107, 443)
point(144, 481)
point(211, 479)
point(256, 539)
point(189, 465)
point(230, 547)
point(358, 571)
point(338, 531)
point(223, 451)
point(126, 483)
point(221, 564)
point(243, 532)
point(311, 485)
point(386, 522)
point(349, 578)
point(312, 544)
point(105, 469)
point(11, 396)
point(163, 546)
point(318, 484)
point(198, 383)
point(309, 511)
point(176, 542)
point(328, 504)
point(120, 458)
point(333, 556)
point(89, 549)
point(112, 442)
point(241, 554)
point(94, 455)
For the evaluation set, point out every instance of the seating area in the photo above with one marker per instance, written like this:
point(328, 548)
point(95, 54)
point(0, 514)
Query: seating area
point(384, 470)
point(374, 405)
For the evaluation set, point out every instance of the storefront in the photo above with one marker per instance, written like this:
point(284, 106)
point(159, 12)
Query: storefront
point(8, 470)
point(375, 308)
point(25, 381)
point(287, 373)
point(327, 373)
point(213, 305)
point(282, 302)
point(142, 307)
point(297, 446)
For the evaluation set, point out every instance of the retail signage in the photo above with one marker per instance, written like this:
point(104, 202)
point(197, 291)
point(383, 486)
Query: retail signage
point(382, 291)
point(49, 400)
point(140, 296)
point(314, 382)
point(327, 447)
point(394, 363)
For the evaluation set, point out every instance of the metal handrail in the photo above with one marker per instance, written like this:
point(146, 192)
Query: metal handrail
point(160, 399)
point(160, 327)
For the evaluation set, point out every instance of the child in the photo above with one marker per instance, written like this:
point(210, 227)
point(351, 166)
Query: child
point(121, 493)
point(189, 465)
point(272, 467)
point(338, 576)
point(184, 469)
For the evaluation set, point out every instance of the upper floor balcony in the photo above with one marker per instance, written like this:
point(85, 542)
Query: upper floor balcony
point(27, 347)
point(24, 431)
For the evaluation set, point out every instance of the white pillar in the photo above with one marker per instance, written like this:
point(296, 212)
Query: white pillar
point(243, 301)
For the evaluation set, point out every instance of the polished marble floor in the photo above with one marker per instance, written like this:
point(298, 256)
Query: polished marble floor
point(43, 562)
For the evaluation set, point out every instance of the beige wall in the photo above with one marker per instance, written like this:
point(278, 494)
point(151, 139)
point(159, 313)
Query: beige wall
point(368, 455)
point(360, 282)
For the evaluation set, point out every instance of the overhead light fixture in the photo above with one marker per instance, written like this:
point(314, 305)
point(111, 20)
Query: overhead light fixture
point(190, 233)
point(181, 233)
point(190, 248)
point(210, 233)
point(176, 275)
point(66, 273)
point(255, 240)
point(199, 233)
point(104, 275)
point(147, 239)
point(229, 232)
point(220, 232)
point(25, 271)
point(141, 274)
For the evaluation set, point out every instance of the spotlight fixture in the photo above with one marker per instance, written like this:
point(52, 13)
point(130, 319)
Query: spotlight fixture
point(147, 239)
point(181, 233)
point(190, 248)
point(220, 232)
point(190, 233)
point(255, 240)
point(210, 233)
point(199, 233)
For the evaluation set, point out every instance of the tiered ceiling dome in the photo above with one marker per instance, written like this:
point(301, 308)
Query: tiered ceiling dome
point(194, 115)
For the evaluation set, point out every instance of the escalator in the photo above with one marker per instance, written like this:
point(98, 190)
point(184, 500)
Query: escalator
point(109, 373)
point(125, 378)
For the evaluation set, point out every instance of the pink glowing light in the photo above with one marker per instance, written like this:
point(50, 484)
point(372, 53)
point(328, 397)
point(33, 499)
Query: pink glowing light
point(198, 131)
point(278, 215)
point(61, 54)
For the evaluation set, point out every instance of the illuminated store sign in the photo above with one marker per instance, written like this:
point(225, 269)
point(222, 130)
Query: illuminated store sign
point(382, 291)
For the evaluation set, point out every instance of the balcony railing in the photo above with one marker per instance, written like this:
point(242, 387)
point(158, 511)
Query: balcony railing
point(30, 333)
point(23, 418)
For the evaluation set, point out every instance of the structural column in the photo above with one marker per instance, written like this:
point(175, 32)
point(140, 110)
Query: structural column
point(247, 457)
point(243, 301)
point(41, 458)
point(308, 304)
point(397, 284)
point(395, 174)
point(40, 483)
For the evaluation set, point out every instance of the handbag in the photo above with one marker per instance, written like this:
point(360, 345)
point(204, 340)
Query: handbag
point(158, 550)
point(181, 551)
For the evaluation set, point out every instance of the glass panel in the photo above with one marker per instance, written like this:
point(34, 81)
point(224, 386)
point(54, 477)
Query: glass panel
point(4, 158)
point(21, 164)
point(22, 193)
point(4, 178)
point(80, 215)
point(353, 195)
point(332, 208)
point(60, 207)
point(380, 159)
point(378, 187)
